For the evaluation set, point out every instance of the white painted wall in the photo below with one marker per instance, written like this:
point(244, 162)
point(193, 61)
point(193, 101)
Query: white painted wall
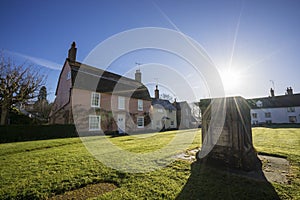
point(278, 115)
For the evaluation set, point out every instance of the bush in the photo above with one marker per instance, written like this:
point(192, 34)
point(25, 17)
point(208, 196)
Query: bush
point(16, 133)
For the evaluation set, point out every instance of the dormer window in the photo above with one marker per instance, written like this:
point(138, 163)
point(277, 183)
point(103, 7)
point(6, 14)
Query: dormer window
point(259, 104)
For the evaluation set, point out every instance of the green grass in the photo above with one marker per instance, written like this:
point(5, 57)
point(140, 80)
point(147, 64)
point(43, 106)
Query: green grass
point(40, 169)
point(282, 142)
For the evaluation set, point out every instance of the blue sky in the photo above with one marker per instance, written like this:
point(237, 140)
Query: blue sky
point(255, 40)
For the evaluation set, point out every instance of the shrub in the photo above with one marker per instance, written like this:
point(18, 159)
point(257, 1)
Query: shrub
point(16, 133)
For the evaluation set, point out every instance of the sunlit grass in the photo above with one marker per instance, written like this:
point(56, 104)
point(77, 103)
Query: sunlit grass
point(40, 169)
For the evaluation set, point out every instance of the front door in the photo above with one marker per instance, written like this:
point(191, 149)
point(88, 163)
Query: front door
point(121, 123)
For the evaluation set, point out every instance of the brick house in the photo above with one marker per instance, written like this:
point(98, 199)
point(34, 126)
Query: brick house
point(98, 100)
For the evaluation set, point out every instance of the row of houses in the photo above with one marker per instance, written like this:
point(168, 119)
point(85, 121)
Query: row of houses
point(99, 100)
point(282, 109)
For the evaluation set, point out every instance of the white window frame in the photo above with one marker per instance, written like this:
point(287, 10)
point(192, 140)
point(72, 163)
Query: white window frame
point(69, 75)
point(121, 103)
point(254, 115)
point(292, 117)
point(140, 105)
point(160, 110)
point(268, 115)
point(137, 121)
point(98, 124)
point(291, 109)
point(93, 95)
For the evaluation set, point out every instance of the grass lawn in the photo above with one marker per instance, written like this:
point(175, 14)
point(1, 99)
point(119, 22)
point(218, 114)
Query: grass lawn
point(41, 169)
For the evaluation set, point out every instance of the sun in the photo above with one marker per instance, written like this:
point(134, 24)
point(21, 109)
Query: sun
point(230, 79)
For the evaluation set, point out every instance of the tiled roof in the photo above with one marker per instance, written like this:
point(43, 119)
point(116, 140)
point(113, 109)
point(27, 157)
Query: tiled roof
point(164, 103)
point(276, 101)
point(91, 78)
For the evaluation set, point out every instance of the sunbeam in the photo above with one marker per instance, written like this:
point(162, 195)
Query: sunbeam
point(235, 37)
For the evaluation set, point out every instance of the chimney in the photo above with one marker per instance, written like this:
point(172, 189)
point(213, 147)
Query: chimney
point(72, 53)
point(138, 75)
point(289, 91)
point(272, 92)
point(156, 92)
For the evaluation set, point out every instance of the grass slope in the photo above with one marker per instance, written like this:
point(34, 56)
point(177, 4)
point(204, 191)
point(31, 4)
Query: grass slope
point(41, 169)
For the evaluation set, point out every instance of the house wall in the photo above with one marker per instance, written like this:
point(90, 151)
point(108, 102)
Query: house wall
point(63, 89)
point(185, 116)
point(109, 110)
point(278, 115)
point(61, 109)
point(157, 113)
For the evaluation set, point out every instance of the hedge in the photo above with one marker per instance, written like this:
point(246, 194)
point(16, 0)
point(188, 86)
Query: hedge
point(16, 133)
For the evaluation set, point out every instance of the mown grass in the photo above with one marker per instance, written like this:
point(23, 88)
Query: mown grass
point(282, 142)
point(40, 169)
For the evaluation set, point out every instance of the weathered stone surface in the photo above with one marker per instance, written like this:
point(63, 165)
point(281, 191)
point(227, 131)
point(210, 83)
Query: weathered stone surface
point(227, 134)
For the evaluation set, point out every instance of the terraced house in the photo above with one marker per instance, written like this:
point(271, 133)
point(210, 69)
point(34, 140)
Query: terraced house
point(98, 100)
point(281, 109)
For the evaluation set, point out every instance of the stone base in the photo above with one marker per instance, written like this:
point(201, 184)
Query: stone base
point(225, 157)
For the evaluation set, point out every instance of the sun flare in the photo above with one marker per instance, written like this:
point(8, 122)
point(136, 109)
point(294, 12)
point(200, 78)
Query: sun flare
point(230, 79)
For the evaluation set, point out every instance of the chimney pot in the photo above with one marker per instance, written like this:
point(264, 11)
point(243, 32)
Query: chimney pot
point(272, 92)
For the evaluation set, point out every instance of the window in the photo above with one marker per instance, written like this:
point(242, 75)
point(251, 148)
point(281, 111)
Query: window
point(172, 123)
point(121, 103)
point(140, 105)
point(94, 122)
point(140, 122)
point(292, 119)
point(259, 104)
point(268, 121)
point(95, 100)
point(254, 115)
point(160, 110)
point(69, 75)
point(170, 111)
point(267, 115)
point(291, 109)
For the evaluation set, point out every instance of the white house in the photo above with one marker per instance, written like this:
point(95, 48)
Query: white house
point(163, 113)
point(276, 109)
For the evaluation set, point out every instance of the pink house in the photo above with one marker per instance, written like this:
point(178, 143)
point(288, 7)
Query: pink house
point(98, 100)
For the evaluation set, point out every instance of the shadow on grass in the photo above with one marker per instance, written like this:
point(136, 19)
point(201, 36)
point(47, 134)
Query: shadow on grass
point(211, 183)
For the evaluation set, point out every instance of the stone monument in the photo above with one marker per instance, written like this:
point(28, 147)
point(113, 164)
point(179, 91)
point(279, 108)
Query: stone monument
point(227, 134)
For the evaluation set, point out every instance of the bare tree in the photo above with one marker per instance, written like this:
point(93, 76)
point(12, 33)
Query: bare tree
point(167, 97)
point(18, 83)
